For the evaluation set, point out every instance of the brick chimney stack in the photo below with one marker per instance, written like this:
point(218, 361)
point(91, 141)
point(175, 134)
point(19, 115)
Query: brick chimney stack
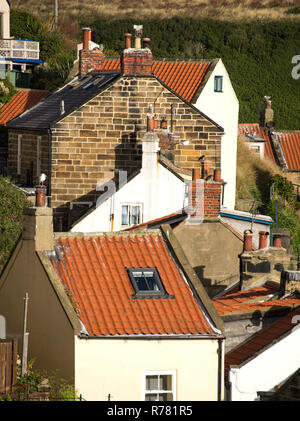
point(267, 115)
point(204, 195)
point(137, 60)
point(89, 60)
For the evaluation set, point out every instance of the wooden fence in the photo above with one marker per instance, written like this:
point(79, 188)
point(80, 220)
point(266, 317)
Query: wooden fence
point(8, 365)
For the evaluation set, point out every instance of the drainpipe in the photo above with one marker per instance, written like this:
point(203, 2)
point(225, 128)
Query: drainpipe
point(50, 167)
point(220, 367)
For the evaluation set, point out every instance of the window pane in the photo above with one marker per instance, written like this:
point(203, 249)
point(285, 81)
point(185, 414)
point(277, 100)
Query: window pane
point(124, 215)
point(165, 397)
point(151, 397)
point(165, 382)
point(152, 383)
point(146, 281)
point(135, 215)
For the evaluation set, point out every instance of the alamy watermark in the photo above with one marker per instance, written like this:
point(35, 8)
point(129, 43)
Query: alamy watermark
point(2, 327)
point(296, 69)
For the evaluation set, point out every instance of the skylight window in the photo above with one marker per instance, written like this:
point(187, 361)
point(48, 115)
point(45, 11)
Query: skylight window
point(147, 283)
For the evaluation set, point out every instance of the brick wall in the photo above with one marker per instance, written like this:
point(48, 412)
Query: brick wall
point(205, 198)
point(136, 62)
point(90, 60)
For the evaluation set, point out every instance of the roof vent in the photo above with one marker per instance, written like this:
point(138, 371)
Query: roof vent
point(62, 107)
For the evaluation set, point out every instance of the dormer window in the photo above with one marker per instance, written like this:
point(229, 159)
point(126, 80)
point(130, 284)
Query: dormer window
point(218, 84)
point(147, 283)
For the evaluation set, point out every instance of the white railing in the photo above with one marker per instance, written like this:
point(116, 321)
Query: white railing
point(19, 49)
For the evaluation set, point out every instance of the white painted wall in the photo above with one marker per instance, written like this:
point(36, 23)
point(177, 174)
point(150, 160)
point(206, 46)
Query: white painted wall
point(242, 224)
point(116, 367)
point(158, 190)
point(267, 370)
point(5, 12)
point(223, 108)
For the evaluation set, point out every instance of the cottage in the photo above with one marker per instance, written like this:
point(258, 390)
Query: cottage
point(91, 129)
point(112, 309)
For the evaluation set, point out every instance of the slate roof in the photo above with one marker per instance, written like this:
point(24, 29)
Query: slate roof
point(183, 77)
point(74, 95)
point(20, 102)
point(93, 269)
point(262, 340)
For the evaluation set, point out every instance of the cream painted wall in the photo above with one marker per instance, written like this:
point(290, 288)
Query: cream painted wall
point(116, 366)
point(223, 108)
point(267, 370)
point(159, 192)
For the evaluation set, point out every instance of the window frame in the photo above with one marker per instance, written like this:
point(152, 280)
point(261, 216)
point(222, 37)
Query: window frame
point(19, 154)
point(129, 204)
point(38, 155)
point(218, 80)
point(159, 373)
point(161, 293)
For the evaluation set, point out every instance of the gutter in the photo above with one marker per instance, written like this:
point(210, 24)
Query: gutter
point(245, 218)
point(220, 368)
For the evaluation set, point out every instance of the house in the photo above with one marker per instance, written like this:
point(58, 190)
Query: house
point(213, 238)
point(265, 360)
point(92, 128)
point(113, 309)
point(18, 58)
point(246, 312)
point(205, 84)
point(22, 100)
point(280, 146)
point(154, 191)
point(288, 390)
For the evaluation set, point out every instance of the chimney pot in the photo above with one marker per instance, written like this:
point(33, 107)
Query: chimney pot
point(163, 123)
point(40, 195)
point(86, 38)
point(247, 240)
point(276, 240)
point(196, 174)
point(205, 168)
point(217, 175)
point(146, 42)
point(263, 239)
point(128, 41)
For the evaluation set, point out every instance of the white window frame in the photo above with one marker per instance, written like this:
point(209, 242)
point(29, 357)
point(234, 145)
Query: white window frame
point(158, 373)
point(19, 157)
point(140, 205)
point(38, 155)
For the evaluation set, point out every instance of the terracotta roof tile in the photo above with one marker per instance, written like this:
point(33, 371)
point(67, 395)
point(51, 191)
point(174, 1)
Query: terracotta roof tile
point(93, 270)
point(253, 299)
point(20, 102)
point(260, 340)
point(290, 145)
point(254, 128)
point(184, 78)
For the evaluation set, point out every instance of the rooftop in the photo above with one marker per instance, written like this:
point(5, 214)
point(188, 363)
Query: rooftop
point(255, 129)
point(261, 340)
point(20, 102)
point(183, 77)
point(93, 269)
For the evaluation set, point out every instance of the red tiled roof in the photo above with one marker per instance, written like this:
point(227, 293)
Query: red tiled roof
point(93, 269)
point(290, 145)
point(252, 299)
point(260, 340)
point(20, 102)
point(254, 128)
point(159, 221)
point(184, 78)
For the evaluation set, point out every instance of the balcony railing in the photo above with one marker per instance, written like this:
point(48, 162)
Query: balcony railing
point(19, 49)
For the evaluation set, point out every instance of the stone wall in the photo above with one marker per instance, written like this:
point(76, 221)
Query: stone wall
point(28, 155)
point(104, 135)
